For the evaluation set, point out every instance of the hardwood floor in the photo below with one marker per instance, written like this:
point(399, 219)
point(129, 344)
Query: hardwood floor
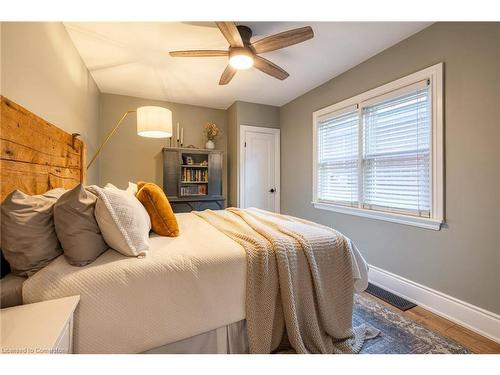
point(473, 341)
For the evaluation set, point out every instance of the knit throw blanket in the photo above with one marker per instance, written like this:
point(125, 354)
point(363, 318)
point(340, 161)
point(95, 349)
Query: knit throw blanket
point(301, 278)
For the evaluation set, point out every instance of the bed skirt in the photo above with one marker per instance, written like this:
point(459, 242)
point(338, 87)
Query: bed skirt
point(229, 339)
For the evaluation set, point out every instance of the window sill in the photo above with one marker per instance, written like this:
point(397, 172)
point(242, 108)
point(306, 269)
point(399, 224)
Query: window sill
point(386, 216)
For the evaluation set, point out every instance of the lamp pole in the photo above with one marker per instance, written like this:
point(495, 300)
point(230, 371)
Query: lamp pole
point(108, 137)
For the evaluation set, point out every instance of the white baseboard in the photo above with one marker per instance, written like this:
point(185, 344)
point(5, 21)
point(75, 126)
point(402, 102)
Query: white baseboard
point(479, 320)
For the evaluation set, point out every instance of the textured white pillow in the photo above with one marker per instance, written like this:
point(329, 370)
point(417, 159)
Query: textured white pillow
point(131, 188)
point(123, 221)
point(109, 185)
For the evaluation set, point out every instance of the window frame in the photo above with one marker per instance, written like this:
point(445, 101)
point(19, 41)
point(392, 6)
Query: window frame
point(434, 74)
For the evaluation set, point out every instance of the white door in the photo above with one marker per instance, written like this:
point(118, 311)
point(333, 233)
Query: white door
point(260, 168)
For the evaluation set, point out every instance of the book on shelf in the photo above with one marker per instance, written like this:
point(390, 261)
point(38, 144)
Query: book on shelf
point(194, 175)
point(193, 190)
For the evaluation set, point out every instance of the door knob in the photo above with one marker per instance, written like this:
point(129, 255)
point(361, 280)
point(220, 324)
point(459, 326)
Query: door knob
point(272, 190)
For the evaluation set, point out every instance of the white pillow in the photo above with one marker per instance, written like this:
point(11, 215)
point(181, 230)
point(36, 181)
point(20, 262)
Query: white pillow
point(131, 188)
point(109, 185)
point(123, 221)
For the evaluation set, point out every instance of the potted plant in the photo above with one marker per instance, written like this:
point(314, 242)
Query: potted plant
point(211, 132)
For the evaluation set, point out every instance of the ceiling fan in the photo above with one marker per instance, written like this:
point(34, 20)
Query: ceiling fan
point(243, 54)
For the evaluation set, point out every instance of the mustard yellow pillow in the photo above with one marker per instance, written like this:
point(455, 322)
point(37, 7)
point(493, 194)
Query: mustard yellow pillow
point(152, 197)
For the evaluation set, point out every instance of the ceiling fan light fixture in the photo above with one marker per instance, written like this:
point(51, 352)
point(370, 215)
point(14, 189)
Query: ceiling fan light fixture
point(240, 58)
point(243, 53)
point(241, 62)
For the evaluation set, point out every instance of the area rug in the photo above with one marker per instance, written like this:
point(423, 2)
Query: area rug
point(398, 334)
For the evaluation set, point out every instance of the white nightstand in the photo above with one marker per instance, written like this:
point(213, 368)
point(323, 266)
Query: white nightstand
point(42, 327)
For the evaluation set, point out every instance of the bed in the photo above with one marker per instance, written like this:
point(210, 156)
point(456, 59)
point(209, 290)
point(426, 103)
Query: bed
point(185, 286)
point(191, 293)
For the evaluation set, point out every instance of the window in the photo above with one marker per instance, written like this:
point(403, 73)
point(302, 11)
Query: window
point(338, 158)
point(379, 154)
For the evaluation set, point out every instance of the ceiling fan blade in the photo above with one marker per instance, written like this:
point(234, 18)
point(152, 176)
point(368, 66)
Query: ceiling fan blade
point(282, 40)
point(270, 68)
point(198, 53)
point(227, 75)
point(231, 33)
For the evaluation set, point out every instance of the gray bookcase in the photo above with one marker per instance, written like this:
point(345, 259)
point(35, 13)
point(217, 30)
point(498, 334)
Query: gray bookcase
point(192, 179)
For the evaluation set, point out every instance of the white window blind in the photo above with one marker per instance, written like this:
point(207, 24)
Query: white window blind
point(338, 158)
point(396, 152)
point(379, 154)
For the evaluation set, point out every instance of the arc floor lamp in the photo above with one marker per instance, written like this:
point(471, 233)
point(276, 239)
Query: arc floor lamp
point(152, 122)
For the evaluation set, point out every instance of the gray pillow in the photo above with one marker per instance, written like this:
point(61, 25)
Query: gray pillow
point(77, 228)
point(29, 240)
point(11, 291)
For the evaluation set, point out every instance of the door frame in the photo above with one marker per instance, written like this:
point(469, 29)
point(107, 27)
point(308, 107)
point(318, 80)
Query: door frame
point(242, 162)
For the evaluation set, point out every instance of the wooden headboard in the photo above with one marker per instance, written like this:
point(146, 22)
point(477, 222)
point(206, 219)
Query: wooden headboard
point(36, 156)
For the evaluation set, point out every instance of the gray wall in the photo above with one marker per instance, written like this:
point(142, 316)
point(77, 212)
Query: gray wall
point(129, 157)
point(463, 259)
point(254, 114)
point(244, 113)
point(42, 71)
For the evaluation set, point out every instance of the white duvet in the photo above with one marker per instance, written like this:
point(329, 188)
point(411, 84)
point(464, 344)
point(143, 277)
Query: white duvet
point(183, 287)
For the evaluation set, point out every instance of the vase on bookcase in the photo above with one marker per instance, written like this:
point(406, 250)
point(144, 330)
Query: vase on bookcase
point(210, 145)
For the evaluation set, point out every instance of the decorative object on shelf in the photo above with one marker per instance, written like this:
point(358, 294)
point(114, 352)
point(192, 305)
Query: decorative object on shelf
point(152, 122)
point(177, 133)
point(191, 146)
point(179, 137)
point(189, 160)
point(211, 132)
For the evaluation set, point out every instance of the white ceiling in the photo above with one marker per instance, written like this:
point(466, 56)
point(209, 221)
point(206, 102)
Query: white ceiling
point(132, 58)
